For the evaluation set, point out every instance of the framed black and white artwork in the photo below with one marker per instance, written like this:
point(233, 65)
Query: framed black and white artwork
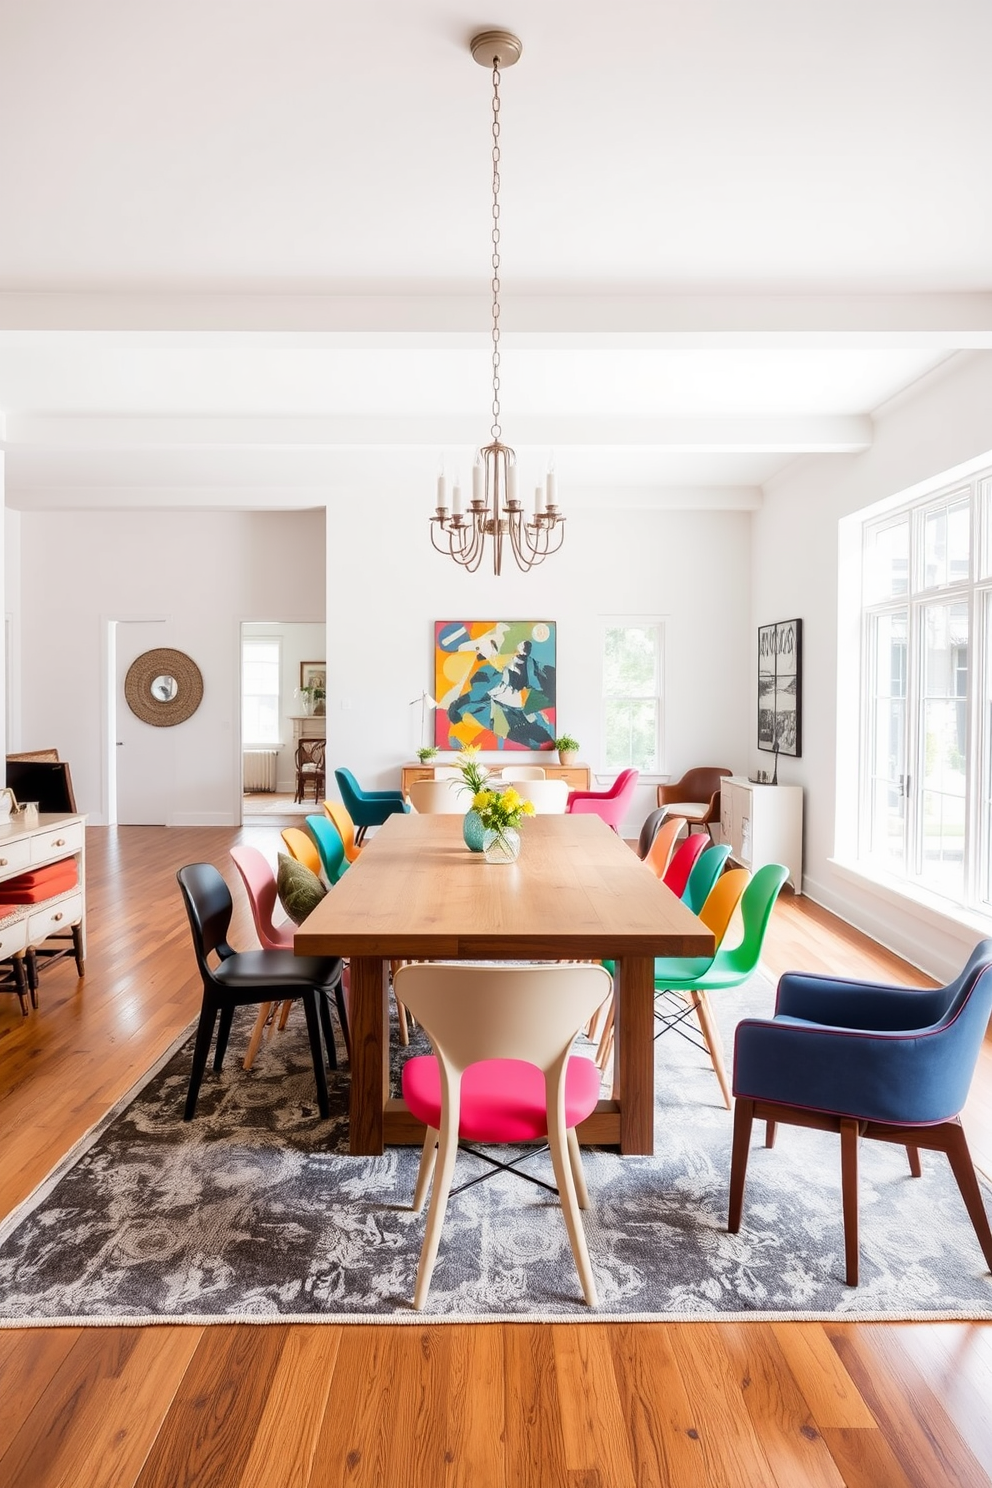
point(780, 688)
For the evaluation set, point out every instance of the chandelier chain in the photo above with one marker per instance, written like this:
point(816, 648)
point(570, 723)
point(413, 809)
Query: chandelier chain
point(496, 259)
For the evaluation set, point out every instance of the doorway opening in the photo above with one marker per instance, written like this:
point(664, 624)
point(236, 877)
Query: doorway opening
point(283, 700)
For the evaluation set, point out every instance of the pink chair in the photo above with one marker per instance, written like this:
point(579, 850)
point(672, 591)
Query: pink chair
point(502, 1071)
point(610, 805)
point(260, 886)
point(677, 874)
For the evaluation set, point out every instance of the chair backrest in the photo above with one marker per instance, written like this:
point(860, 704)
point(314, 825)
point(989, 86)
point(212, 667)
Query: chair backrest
point(502, 1012)
point(697, 784)
point(302, 847)
point(649, 830)
point(659, 854)
point(339, 814)
point(310, 755)
point(757, 903)
point(329, 846)
point(524, 772)
point(439, 797)
point(703, 875)
point(610, 804)
point(677, 874)
point(351, 793)
point(724, 897)
point(260, 886)
point(955, 1044)
point(548, 797)
point(209, 907)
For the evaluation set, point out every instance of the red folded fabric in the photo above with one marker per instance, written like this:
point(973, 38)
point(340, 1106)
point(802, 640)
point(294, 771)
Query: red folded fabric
point(40, 883)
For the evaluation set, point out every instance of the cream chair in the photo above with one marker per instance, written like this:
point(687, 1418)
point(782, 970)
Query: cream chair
point(439, 797)
point(525, 1017)
point(523, 772)
point(548, 797)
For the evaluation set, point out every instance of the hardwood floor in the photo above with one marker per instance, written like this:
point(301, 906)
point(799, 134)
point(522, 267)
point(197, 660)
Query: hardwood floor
point(587, 1406)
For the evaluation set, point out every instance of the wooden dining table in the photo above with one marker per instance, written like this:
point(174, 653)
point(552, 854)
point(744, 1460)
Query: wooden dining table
point(577, 892)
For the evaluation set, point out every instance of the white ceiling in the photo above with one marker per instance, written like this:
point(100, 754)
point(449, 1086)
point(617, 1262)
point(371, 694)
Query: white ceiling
point(244, 246)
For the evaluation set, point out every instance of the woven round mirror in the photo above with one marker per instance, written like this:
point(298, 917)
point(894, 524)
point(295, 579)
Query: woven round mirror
point(163, 687)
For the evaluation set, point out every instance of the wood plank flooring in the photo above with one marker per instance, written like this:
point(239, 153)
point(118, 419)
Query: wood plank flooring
point(587, 1406)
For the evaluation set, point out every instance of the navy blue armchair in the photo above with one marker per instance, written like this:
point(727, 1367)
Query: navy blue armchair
point(367, 808)
point(866, 1060)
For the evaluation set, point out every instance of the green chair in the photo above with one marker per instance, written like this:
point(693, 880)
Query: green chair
point(693, 978)
point(705, 872)
point(330, 847)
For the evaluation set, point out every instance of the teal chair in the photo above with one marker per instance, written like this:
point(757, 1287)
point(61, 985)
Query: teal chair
point(705, 872)
point(692, 978)
point(329, 847)
point(367, 808)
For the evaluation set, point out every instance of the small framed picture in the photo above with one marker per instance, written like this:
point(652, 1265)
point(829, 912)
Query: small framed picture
point(313, 674)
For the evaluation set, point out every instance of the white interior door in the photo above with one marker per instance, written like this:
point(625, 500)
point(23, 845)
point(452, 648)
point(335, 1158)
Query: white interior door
point(145, 765)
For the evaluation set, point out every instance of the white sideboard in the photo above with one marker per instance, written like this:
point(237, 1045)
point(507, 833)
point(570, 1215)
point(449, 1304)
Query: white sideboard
point(26, 928)
point(763, 824)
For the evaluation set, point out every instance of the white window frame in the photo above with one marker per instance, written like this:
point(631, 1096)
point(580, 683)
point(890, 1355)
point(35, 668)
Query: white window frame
point(273, 640)
point(639, 622)
point(974, 591)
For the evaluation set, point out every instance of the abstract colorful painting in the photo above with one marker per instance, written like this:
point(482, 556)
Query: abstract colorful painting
point(494, 681)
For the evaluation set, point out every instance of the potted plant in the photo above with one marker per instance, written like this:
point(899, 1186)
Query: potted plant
point(474, 777)
point(313, 698)
point(501, 812)
point(567, 748)
point(427, 753)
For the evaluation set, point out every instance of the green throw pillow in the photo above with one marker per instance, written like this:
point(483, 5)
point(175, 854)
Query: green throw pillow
point(300, 891)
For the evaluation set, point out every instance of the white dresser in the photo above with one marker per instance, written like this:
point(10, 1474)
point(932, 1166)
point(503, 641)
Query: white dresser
point(25, 928)
point(763, 824)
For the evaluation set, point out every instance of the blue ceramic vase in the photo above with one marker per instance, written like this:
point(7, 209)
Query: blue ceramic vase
point(473, 831)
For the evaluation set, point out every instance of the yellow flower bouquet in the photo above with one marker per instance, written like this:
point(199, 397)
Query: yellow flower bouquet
point(501, 812)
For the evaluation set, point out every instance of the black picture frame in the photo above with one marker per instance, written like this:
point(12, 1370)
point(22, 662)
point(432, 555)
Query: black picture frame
point(780, 688)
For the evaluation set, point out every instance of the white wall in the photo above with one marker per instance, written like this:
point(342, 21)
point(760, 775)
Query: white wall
point(385, 587)
point(692, 568)
point(944, 422)
point(205, 572)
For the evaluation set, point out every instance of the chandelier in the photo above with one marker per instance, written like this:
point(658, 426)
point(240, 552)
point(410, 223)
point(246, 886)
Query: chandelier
point(495, 509)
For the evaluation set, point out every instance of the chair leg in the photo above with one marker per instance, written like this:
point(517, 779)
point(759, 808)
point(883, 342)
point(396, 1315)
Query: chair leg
point(915, 1166)
point(849, 1138)
point(578, 1172)
point(204, 1033)
point(77, 948)
point(562, 1163)
point(264, 1011)
point(22, 984)
point(342, 1007)
point(328, 1027)
point(447, 1152)
point(308, 999)
point(771, 1129)
point(743, 1121)
point(425, 1172)
point(403, 1027)
point(223, 1034)
point(711, 1034)
point(963, 1169)
point(285, 1008)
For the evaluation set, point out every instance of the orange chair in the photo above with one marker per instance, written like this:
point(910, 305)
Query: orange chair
point(301, 846)
point(341, 817)
point(659, 854)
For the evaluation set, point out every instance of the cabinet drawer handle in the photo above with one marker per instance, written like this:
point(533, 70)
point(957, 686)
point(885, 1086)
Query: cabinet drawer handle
point(57, 917)
point(59, 842)
point(3, 862)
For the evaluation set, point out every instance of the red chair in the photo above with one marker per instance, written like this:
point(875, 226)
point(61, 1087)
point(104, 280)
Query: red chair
point(677, 874)
point(610, 805)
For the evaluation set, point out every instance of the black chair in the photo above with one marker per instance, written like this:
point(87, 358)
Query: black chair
point(247, 978)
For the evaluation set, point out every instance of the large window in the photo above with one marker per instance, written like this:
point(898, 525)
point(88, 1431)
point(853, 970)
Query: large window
point(261, 666)
point(926, 758)
point(632, 695)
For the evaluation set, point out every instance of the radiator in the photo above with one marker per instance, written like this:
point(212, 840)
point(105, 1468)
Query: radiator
point(260, 769)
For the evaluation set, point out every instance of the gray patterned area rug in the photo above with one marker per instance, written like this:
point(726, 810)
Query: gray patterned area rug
point(254, 1212)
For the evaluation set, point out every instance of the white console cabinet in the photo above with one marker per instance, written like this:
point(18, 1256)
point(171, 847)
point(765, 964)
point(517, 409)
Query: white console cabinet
point(27, 930)
point(763, 824)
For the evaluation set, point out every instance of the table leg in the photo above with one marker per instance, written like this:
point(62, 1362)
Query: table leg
point(633, 1058)
point(369, 1017)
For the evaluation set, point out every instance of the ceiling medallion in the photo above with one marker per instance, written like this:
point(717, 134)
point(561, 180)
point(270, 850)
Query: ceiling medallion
point(495, 510)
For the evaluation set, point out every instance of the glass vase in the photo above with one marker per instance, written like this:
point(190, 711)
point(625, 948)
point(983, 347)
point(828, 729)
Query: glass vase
point(473, 831)
point(501, 847)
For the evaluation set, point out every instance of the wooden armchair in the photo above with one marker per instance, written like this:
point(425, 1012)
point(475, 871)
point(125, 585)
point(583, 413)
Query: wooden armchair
point(310, 768)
